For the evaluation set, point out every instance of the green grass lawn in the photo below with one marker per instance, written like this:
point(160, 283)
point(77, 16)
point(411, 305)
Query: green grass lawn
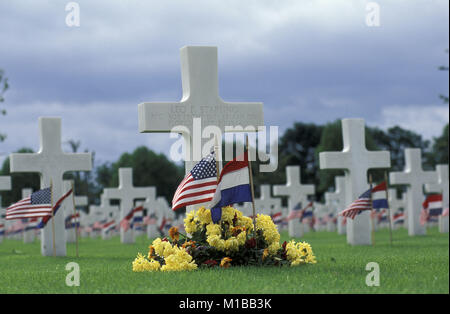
point(411, 265)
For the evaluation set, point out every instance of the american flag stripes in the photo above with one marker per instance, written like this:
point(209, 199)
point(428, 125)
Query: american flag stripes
point(36, 205)
point(55, 209)
point(107, 227)
point(125, 223)
point(364, 202)
point(199, 185)
point(298, 211)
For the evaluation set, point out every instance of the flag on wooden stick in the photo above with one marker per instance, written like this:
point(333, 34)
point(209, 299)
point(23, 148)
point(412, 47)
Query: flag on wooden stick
point(199, 185)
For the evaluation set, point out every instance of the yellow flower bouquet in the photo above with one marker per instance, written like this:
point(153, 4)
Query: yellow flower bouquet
point(231, 242)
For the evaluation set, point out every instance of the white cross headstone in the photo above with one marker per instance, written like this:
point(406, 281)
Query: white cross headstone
point(415, 178)
point(127, 194)
point(110, 212)
point(297, 193)
point(152, 208)
point(246, 208)
point(356, 160)
point(5, 185)
point(79, 202)
point(319, 213)
point(51, 163)
point(331, 203)
point(266, 204)
point(441, 186)
point(339, 198)
point(199, 78)
point(395, 205)
point(165, 212)
point(96, 214)
point(84, 224)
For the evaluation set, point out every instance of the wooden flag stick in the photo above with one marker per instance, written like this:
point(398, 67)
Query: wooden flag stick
point(251, 186)
point(388, 207)
point(53, 220)
point(371, 216)
point(75, 218)
point(216, 152)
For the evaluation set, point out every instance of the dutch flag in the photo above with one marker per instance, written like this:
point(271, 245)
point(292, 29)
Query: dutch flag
point(233, 186)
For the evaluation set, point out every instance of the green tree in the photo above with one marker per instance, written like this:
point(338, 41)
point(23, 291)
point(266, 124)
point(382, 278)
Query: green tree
point(439, 151)
point(395, 140)
point(19, 181)
point(149, 169)
point(3, 87)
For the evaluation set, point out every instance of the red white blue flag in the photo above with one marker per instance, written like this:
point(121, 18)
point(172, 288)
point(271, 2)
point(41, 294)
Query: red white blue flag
point(233, 186)
point(199, 185)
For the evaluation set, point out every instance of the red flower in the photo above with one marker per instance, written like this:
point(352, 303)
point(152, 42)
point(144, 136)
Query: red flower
point(250, 243)
point(210, 263)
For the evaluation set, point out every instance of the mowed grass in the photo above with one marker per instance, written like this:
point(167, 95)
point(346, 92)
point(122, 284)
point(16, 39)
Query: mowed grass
point(411, 265)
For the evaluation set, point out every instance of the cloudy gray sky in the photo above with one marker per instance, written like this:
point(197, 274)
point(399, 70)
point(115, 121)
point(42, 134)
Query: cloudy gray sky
point(310, 61)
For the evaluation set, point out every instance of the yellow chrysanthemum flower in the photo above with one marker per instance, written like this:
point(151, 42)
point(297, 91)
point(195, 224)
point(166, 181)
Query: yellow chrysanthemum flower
point(141, 264)
point(179, 260)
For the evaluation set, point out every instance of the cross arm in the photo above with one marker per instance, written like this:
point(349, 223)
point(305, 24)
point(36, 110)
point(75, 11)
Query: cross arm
point(24, 162)
point(334, 160)
point(78, 161)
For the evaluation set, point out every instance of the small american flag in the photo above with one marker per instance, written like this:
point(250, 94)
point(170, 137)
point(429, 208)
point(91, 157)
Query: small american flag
point(126, 222)
point(36, 205)
point(199, 185)
point(364, 202)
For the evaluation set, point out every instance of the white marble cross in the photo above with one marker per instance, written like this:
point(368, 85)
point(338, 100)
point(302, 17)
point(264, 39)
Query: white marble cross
point(246, 208)
point(356, 160)
point(152, 208)
point(415, 178)
point(96, 214)
point(332, 205)
point(266, 204)
point(297, 193)
point(110, 212)
point(51, 163)
point(165, 211)
point(395, 204)
point(127, 194)
point(79, 202)
point(441, 186)
point(339, 198)
point(320, 211)
point(200, 83)
point(5, 185)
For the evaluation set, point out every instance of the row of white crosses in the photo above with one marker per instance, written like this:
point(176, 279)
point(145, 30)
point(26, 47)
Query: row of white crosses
point(337, 200)
point(297, 193)
point(51, 163)
point(127, 193)
point(201, 100)
point(5, 185)
point(441, 186)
